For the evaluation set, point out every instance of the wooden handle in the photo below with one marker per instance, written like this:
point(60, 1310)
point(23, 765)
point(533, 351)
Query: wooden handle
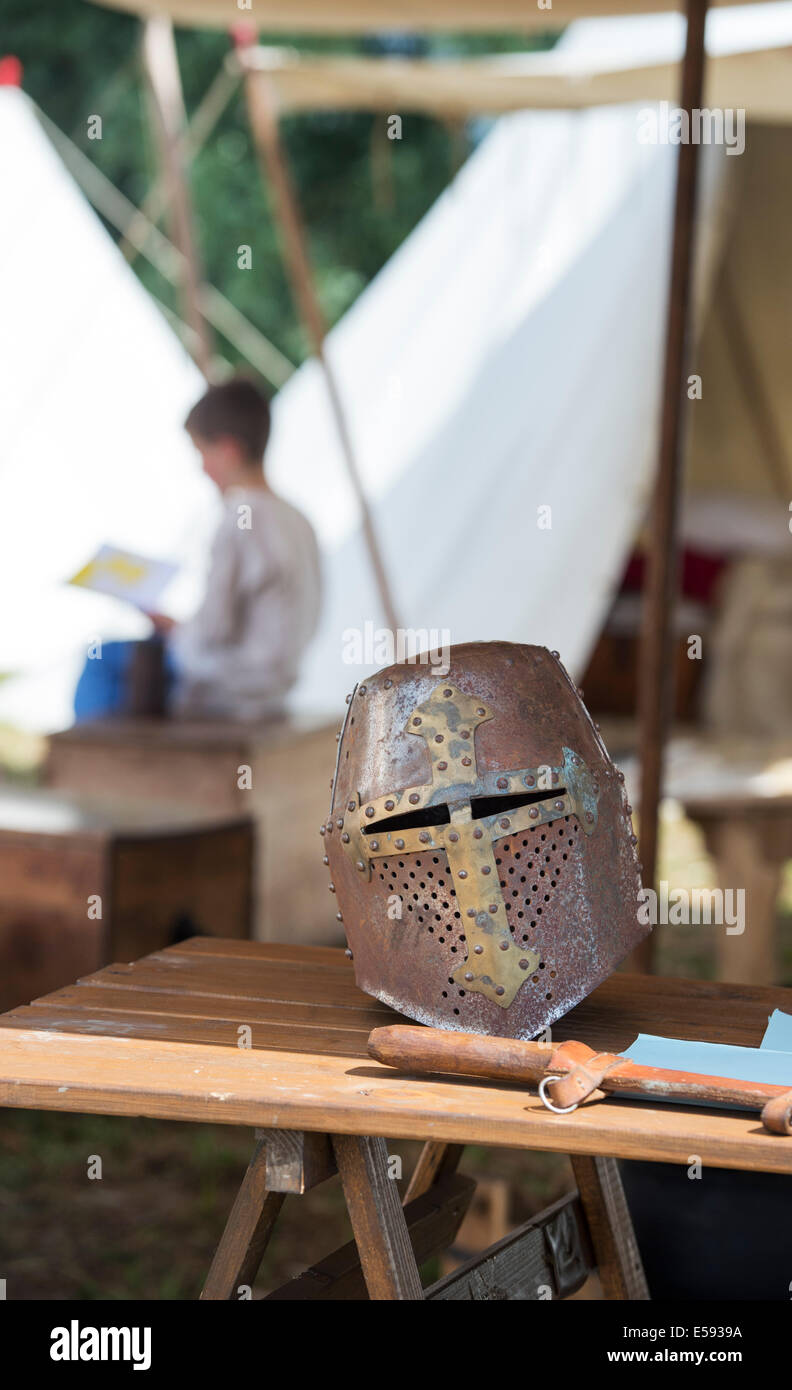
point(426, 1050)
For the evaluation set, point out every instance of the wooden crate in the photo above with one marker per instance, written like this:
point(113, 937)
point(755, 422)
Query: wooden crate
point(291, 763)
point(86, 880)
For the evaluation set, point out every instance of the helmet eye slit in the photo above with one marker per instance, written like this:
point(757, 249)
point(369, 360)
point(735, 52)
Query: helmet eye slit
point(482, 806)
point(411, 820)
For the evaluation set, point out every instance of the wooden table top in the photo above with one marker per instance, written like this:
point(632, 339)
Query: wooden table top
point(159, 1037)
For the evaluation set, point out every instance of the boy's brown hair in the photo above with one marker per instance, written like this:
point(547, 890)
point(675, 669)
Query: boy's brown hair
point(236, 409)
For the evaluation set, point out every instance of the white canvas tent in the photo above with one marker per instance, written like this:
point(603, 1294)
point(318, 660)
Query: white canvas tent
point(509, 358)
point(94, 386)
point(506, 360)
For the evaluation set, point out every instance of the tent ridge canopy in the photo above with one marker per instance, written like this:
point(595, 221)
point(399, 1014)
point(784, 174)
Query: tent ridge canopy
point(372, 16)
point(748, 75)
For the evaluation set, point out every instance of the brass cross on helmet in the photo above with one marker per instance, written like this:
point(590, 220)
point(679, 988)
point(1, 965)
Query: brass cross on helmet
point(458, 812)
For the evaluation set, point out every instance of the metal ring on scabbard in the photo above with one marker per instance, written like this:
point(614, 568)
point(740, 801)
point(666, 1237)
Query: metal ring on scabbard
point(556, 1109)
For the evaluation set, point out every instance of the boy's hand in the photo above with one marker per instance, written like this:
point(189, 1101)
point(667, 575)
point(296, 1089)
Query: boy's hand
point(162, 622)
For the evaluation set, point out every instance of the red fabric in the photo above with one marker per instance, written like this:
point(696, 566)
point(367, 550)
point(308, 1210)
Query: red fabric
point(700, 574)
point(243, 34)
point(10, 71)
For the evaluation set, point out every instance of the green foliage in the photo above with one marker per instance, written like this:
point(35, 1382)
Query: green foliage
point(361, 194)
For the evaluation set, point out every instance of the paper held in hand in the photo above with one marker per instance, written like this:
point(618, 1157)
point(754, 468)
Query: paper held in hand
point(122, 574)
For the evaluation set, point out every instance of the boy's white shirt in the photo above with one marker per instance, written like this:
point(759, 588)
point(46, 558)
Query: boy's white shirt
point(240, 653)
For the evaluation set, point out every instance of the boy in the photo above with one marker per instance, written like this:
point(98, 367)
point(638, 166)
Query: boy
point(240, 653)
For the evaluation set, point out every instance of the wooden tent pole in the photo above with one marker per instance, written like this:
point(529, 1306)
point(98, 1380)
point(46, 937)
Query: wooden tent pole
point(656, 666)
point(161, 65)
point(266, 134)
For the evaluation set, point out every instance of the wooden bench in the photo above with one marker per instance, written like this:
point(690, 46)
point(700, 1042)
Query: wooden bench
point(86, 880)
point(161, 1037)
point(287, 793)
point(738, 792)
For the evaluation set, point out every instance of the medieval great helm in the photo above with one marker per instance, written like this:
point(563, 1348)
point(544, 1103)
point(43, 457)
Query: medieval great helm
point(480, 843)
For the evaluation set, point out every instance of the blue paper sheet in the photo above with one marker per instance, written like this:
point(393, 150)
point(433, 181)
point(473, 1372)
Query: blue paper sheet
point(778, 1033)
point(771, 1062)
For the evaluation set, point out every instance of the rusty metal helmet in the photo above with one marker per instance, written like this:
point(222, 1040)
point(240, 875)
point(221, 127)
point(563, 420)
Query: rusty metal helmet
point(479, 842)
